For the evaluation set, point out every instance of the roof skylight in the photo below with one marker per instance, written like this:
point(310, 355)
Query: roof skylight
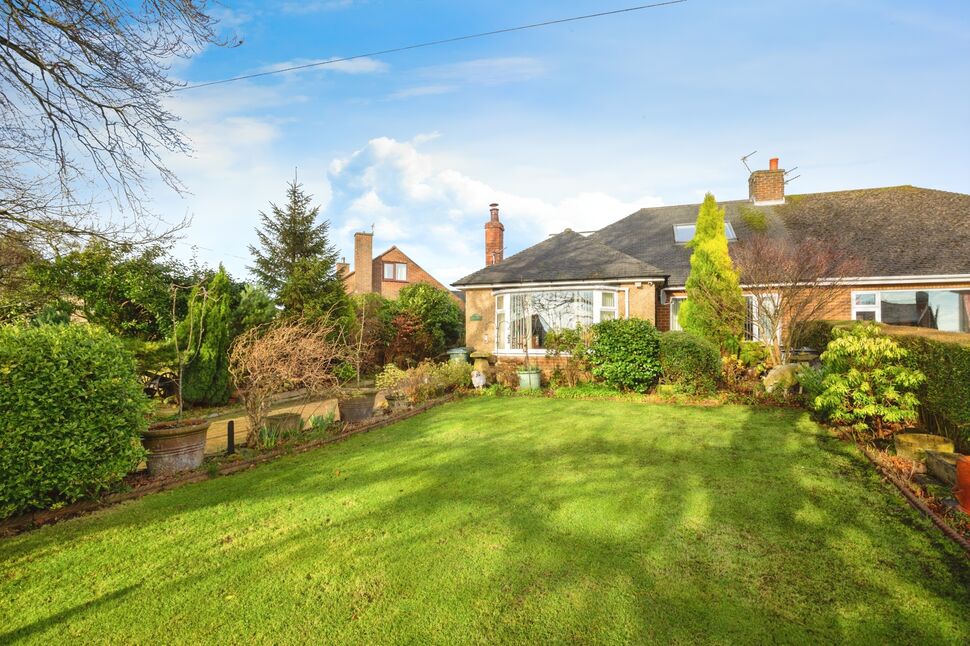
point(684, 233)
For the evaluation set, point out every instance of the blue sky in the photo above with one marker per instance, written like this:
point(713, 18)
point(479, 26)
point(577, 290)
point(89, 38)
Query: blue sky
point(573, 125)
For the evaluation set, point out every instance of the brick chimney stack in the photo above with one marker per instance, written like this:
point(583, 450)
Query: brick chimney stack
point(494, 238)
point(363, 263)
point(767, 186)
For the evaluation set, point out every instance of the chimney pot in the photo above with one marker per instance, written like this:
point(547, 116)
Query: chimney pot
point(773, 163)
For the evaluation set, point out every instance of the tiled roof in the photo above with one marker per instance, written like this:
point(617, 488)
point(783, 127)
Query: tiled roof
point(896, 231)
point(563, 257)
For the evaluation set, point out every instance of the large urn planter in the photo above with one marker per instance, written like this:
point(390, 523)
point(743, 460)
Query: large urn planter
point(529, 379)
point(358, 405)
point(175, 446)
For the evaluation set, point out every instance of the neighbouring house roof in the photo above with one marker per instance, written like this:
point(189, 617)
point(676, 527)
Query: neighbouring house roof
point(895, 231)
point(566, 256)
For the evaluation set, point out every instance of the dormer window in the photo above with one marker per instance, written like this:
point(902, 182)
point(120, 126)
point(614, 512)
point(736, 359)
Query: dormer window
point(684, 233)
point(397, 271)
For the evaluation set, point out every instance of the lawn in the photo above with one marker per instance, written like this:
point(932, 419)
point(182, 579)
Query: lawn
point(510, 520)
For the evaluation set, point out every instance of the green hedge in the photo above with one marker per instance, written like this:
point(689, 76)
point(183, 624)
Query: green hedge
point(944, 357)
point(625, 354)
point(71, 413)
point(689, 363)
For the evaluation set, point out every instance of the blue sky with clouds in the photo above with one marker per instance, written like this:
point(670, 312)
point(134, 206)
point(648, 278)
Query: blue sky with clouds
point(573, 125)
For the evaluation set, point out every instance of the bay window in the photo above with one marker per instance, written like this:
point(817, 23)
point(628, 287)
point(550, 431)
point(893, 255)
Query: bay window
point(525, 318)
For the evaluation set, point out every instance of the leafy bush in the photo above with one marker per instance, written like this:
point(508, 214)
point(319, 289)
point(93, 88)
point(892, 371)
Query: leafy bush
point(625, 354)
point(867, 383)
point(689, 363)
point(411, 342)
point(589, 391)
point(450, 376)
point(571, 345)
point(71, 413)
point(439, 313)
point(426, 380)
point(756, 355)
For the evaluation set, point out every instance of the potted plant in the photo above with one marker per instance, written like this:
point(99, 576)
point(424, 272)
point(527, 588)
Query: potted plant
point(179, 445)
point(528, 376)
point(356, 404)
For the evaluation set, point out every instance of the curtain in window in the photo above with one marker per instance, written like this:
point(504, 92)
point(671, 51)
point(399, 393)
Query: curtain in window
point(531, 316)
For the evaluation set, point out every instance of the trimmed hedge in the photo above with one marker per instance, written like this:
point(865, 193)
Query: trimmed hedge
point(689, 363)
point(71, 413)
point(625, 354)
point(944, 357)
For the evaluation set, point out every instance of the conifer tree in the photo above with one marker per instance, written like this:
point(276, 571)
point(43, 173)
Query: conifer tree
point(205, 379)
point(295, 261)
point(715, 307)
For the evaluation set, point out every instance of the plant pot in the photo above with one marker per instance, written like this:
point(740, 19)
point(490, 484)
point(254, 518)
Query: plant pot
point(396, 401)
point(458, 355)
point(963, 483)
point(176, 446)
point(284, 423)
point(912, 445)
point(529, 379)
point(358, 407)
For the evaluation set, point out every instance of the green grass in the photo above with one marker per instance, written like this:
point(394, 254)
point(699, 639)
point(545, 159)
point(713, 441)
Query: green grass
point(500, 520)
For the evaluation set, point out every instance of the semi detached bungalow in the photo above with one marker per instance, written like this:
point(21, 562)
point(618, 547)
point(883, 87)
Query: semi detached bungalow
point(914, 244)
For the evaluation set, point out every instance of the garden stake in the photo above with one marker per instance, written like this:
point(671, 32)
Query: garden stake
point(231, 437)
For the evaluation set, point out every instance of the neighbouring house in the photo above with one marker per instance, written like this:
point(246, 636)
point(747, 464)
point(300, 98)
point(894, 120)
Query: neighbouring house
point(913, 242)
point(386, 274)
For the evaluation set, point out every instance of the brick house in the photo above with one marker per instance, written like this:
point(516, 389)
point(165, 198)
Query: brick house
point(913, 242)
point(385, 274)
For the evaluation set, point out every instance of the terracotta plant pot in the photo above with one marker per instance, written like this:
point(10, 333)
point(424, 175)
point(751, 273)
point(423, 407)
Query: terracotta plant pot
point(963, 483)
point(358, 407)
point(175, 446)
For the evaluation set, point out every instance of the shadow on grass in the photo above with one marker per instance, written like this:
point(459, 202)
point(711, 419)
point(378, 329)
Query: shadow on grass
point(637, 523)
point(64, 616)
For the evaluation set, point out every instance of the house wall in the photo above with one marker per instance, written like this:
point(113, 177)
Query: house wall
point(391, 288)
point(480, 313)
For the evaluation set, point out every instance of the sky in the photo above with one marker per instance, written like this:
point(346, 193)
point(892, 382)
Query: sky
point(573, 125)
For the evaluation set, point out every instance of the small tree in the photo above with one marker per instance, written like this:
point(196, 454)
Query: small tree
point(866, 383)
point(254, 308)
point(205, 378)
point(291, 353)
point(792, 283)
point(715, 307)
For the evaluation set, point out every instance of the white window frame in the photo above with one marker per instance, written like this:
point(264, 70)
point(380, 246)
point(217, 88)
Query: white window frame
point(877, 307)
point(755, 313)
point(399, 271)
point(502, 298)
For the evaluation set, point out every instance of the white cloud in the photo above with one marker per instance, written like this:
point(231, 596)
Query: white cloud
point(363, 65)
point(436, 214)
point(488, 72)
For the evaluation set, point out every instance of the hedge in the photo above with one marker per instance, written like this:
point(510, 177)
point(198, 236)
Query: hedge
point(625, 354)
point(689, 363)
point(944, 357)
point(71, 413)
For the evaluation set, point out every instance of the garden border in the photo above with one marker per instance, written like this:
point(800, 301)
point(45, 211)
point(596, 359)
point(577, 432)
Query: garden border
point(15, 525)
point(915, 502)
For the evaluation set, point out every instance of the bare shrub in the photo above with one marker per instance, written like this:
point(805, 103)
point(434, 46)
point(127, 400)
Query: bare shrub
point(295, 353)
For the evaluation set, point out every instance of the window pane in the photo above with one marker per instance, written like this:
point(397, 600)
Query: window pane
point(388, 271)
point(500, 302)
point(609, 299)
point(501, 332)
point(607, 315)
point(674, 313)
point(729, 231)
point(939, 310)
point(750, 331)
point(683, 232)
point(865, 316)
point(402, 271)
point(869, 298)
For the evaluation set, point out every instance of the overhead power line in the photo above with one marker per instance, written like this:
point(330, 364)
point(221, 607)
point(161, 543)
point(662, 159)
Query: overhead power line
point(431, 43)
